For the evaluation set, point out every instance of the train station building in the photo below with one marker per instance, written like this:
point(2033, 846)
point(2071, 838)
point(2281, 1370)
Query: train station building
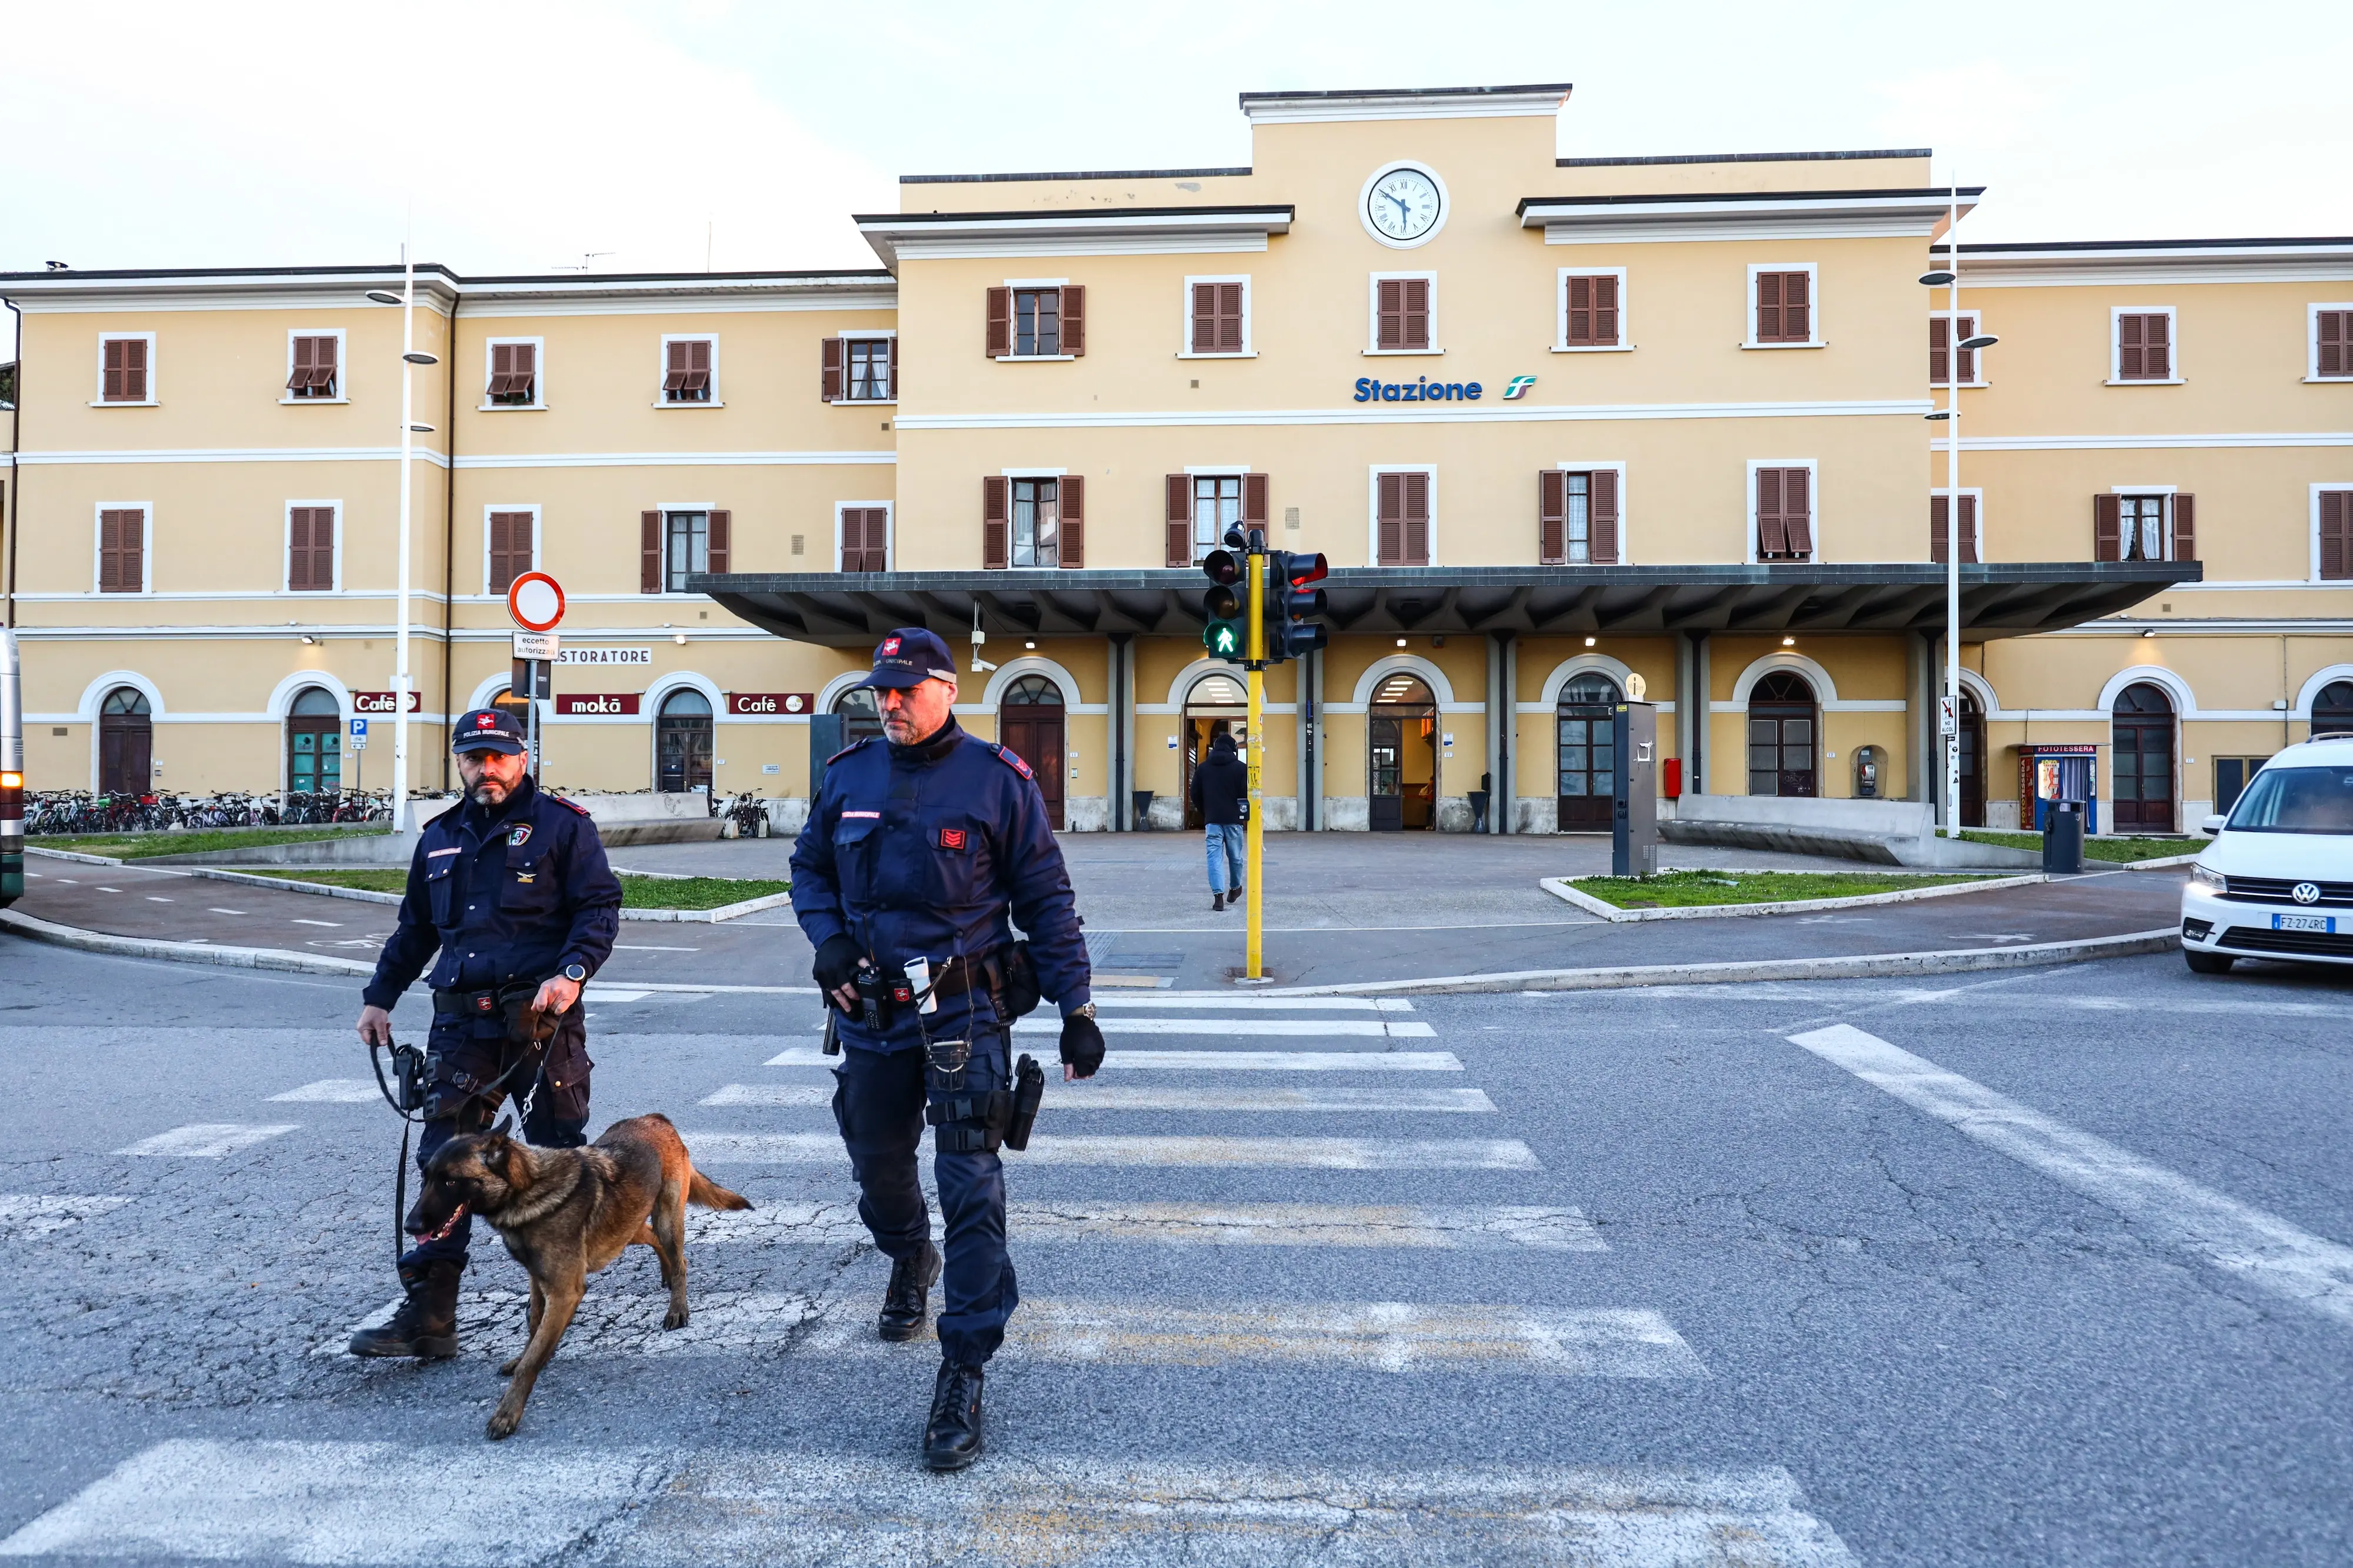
point(1558, 423)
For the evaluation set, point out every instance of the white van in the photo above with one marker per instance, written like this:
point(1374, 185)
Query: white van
point(2277, 881)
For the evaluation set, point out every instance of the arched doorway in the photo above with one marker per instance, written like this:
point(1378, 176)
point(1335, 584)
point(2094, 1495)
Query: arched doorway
point(1972, 737)
point(126, 742)
point(1782, 726)
point(860, 719)
point(1588, 756)
point(2140, 760)
point(682, 742)
point(2332, 711)
point(1214, 706)
point(314, 743)
point(1401, 756)
point(1030, 724)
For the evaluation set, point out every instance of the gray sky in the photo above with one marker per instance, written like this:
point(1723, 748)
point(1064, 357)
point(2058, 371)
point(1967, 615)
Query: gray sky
point(524, 135)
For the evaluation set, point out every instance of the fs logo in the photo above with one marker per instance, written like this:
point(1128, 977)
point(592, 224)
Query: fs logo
point(1517, 387)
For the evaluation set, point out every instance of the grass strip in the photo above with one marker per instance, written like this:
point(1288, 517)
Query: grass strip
point(140, 846)
point(2121, 851)
point(1684, 890)
point(636, 892)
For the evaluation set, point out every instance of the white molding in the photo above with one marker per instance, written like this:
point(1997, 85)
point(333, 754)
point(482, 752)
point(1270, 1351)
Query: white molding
point(1373, 282)
point(1790, 215)
point(1560, 343)
point(1812, 270)
point(280, 707)
point(662, 360)
point(2316, 439)
point(830, 692)
point(1755, 227)
point(1973, 492)
point(1013, 669)
point(2185, 701)
point(681, 459)
point(1432, 676)
point(1322, 109)
point(2312, 341)
point(1826, 695)
point(97, 398)
point(1364, 206)
point(98, 548)
point(1952, 345)
point(1185, 348)
point(93, 694)
point(1453, 411)
point(1813, 504)
point(1373, 508)
point(981, 248)
point(342, 369)
point(2311, 689)
point(1568, 669)
point(286, 550)
point(538, 403)
point(488, 687)
point(538, 541)
point(1180, 688)
point(857, 294)
point(890, 531)
point(231, 455)
point(2173, 345)
point(1625, 507)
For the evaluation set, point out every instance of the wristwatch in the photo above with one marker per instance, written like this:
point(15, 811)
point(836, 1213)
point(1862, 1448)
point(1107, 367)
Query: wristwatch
point(1083, 1010)
point(575, 973)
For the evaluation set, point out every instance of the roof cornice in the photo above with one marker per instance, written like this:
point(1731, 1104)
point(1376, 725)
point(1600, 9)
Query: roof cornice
point(1065, 232)
point(1742, 214)
point(437, 288)
point(2127, 261)
point(1406, 104)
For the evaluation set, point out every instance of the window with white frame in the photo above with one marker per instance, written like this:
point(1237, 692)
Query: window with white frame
point(1592, 310)
point(513, 374)
point(689, 371)
point(679, 540)
point(1404, 313)
point(126, 368)
point(1036, 320)
point(2142, 346)
point(1782, 511)
point(2332, 343)
point(122, 547)
point(1217, 317)
point(314, 367)
point(510, 546)
point(310, 538)
point(1784, 306)
point(1946, 331)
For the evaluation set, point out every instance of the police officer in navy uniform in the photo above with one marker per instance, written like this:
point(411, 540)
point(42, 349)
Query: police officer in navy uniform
point(512, 886)
point(919, 846)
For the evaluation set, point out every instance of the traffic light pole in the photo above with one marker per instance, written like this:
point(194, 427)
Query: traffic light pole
point(1255, 832)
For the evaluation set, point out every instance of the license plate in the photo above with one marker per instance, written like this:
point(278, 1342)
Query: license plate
point(2325, 923)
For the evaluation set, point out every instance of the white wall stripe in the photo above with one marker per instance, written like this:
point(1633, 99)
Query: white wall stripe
point(1506, 1229)
point(1220, 1061)
point(1416, 413)
point(2238, 1238)
point(711, 1147)
point(206, 1139)
point(25, 1215)
point(503, 1506)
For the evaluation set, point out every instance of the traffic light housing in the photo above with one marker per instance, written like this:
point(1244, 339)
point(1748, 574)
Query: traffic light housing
point(1222, 632)
point(1294, 605)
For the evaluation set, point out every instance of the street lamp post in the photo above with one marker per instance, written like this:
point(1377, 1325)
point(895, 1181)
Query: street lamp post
point(1949, 276)
point(409, 360)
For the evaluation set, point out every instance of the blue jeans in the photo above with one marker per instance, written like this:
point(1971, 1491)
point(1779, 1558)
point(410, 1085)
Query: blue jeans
point(1226, 842)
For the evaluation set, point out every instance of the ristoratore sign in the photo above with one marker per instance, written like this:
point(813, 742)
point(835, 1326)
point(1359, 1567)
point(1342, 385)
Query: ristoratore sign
point(597, 704)
point(381, 702)
point(755, 704)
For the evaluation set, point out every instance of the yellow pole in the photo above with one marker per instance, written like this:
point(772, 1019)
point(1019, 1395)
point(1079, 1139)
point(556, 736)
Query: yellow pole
point(1255, 834)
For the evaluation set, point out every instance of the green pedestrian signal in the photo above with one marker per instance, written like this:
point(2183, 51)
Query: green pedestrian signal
point(1223, 639)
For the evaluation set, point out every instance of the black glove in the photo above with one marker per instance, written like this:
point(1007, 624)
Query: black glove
point(1082, 1045)
point(837, 964)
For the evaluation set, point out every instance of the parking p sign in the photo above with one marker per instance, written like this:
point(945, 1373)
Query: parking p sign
point(359, 734)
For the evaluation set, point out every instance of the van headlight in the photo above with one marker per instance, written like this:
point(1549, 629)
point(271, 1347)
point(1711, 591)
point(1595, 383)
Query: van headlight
point(2207, 878)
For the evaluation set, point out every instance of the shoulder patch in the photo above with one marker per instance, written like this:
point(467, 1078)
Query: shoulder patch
point(572, 805)
point(1006, 755)
point(846, 750)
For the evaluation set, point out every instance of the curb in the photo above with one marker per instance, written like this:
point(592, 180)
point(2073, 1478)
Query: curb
point(2165, 864)
point(1860, 966)
point(1558, 886)
point(179, 952)
point(74, 855)
point(370, 896)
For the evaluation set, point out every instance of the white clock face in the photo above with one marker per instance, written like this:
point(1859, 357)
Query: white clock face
point(1403, 204)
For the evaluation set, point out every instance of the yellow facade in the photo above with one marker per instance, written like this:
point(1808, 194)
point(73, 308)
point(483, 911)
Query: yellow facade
point(221, 463)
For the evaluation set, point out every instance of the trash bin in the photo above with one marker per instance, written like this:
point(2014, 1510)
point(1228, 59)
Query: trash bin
point(1140, 800)
point(1478, 811)
point(2063, 842)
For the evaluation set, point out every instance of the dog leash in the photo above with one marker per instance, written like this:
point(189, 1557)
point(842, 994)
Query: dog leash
point(410, 1105)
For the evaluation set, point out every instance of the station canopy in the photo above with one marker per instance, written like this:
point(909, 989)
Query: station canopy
point(1998, 600)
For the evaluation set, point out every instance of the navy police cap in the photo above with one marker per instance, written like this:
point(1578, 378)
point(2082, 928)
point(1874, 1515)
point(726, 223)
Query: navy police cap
point(908, 657)
point(487, 730)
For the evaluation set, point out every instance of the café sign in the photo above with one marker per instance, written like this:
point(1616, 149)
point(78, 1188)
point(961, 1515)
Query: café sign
point(762, 704)
point(381, 702)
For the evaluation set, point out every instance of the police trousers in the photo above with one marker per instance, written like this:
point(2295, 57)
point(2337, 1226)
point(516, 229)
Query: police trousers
point(466, 1057)
point(879, 1100)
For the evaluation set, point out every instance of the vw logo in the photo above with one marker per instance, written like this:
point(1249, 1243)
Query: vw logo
point(2306, 893)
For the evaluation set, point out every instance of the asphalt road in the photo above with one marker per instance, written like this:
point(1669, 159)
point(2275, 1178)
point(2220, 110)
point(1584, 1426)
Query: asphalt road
point(2043, 1266)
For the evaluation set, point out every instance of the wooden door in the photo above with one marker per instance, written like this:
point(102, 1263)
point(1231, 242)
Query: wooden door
point(125, 753)
point(1588, 757)
point(1385, 740)
point(1034, 735)
point(2141, 760)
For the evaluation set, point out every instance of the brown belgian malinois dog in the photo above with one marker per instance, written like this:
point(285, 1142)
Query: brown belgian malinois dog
point(567, 1213)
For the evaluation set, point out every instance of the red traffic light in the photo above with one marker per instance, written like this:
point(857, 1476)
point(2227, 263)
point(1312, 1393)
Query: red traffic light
point(1307, 568)
point(1221, 567)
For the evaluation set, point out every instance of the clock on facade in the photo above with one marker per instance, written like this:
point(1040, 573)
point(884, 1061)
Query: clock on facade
point(1403, 204)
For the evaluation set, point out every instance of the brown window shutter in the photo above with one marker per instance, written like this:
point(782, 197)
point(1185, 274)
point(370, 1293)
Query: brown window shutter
point(1390, 543)
point(510, 549)
point(111, 388)
point(1073, 531)
point(1417, 519)
point(1552, 515)
point(1605, 311)
point(1964, 329)
point(2335, 350)
point(853, 540)
point(1969, 530)
point(1768, 307)
point(1603, 534)
point(2128, 348)
point(2184, 514)
point(1417, 313)
point(1772, 530)
point(1940, 510)
point(674, 368)
point(298, 549)
point(109, 552)
point(323, 357)
point(298, 379)
point(1581, 312)
point(1254, 500)
point(1940, 356)
point(649, 552)
point(1205, 317)
point(1001, 323)
point(1179, 516)
point(134, 369)
point(1390, 333)
point(890, 370)
point(2108, 528)
point(715, 553)
point(1074, 320)
point(1797, 307)
point(502, 369)
point(2336, 535)
point(2157, 348)
point(828, 360)
point(1229, 318)
point(121, 568)
point(1797, 509)
point(996, 530)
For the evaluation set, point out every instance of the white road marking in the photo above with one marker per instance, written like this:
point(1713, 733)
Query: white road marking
point(109, 890)
point(24, 1216)
point(1216, 1061)
point(710, 1148)
point(158, 898)
point(1097, 1096)
point(2238, 1238)
point(1476, 1229)
point(651, 947)
point(336, 925)
point(208, 1139)
point(1234, 1029)
point(615, 993)
point(225, 911)
point(334, 1091)
point(1262, 1003)
point(771, 1094)
point(503, 1506)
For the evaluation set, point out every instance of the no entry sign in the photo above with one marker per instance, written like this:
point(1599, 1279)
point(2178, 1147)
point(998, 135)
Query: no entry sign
point(535, 602)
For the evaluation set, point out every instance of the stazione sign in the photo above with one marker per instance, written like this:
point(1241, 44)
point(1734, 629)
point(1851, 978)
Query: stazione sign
point(757, 704)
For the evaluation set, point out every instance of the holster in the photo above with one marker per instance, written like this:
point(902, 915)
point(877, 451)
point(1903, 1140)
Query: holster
point(1028, 1093)
point(1012, 980)
point(971, 1123)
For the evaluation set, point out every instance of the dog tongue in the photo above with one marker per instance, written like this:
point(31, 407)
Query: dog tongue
point(447, 1226)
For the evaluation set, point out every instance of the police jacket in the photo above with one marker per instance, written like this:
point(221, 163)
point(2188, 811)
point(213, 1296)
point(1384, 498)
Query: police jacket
point(516, 891)
point(1220, 786)
point(924, 851)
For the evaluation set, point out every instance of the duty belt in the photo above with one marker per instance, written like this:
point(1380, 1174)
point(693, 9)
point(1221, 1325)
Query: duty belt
point(469, 1004)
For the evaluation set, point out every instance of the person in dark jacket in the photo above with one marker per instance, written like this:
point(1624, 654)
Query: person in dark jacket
point(1222, 794)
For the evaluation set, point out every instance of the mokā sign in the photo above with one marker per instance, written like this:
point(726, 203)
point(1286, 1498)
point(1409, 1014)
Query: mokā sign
point(753, 704)
point(597, 704)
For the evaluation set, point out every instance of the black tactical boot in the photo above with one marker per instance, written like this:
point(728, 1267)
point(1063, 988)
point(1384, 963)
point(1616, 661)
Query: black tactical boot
point(906, 1303)
point(426, 1324)
point(952, 1438)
